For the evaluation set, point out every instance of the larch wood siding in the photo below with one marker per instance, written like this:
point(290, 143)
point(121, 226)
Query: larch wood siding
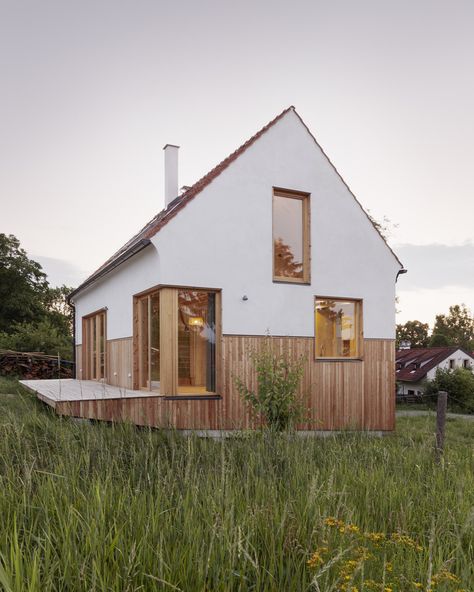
point(78, 362)
point(355, 394)
point(119, 367)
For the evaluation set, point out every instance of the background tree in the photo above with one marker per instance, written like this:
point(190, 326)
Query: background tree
point(58, 309)
point(438, 340)
point(285, 264)
point(458, 383)
point(415, 332)
point(23, 285)
point(457, 326)
point(33, 316)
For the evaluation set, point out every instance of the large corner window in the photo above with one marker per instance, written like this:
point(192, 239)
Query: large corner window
point(175, 341)
point(291, 236)
point(148, 312)
point(338, 328)
point(196, 342)
point(94, 346)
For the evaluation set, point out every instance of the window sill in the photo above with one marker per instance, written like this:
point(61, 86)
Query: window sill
point(296, 281)
point(191, 397)
point(338, 359)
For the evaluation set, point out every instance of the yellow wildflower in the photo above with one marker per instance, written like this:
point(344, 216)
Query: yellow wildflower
point(352, 528)
point(446, 576)
point(315, 560)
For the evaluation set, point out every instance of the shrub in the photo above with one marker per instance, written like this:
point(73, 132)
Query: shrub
point(275, 399)
point(458, 383)
point(43, 336)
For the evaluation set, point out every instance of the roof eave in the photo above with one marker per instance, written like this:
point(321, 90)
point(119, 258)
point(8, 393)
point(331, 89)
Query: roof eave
point(130, 252)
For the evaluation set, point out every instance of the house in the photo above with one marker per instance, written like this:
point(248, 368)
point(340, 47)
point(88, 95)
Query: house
point(413, 366)
point(270, 241)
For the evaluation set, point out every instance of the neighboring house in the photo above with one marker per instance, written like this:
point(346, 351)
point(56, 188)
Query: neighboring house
point(413, 366)
point(271, 241)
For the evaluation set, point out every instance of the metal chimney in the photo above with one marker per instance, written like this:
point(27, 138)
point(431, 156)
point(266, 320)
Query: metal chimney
point(171, 172)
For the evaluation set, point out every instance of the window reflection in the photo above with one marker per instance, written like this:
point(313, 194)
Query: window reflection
point(337, 328)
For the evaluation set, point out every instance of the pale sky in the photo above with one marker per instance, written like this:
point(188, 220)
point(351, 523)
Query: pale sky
point(91, 90)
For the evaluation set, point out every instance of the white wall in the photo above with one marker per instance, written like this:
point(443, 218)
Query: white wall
point(223, 239)
point(458, 356)
point(115, 291)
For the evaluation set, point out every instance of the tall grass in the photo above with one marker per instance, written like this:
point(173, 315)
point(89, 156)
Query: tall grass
point(110, 507)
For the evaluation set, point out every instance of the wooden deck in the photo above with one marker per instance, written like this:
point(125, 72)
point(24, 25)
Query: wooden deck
point(57, 391)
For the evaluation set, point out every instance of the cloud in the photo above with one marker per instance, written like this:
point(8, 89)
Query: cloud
point(424, 305)
point(436, 266)
point(61, 272)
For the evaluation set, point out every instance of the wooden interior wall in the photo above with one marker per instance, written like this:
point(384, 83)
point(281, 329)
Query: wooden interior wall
point(339, 395)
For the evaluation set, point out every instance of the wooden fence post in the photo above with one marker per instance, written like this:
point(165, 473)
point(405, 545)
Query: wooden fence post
point(440, 423)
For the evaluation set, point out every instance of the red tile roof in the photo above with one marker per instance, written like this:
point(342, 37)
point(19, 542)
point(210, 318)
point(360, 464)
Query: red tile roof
point(149, 230)
point(412, 365)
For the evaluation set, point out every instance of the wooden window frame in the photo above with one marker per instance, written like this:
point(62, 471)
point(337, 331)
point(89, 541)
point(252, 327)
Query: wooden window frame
point(306, 227)
point(86, 357)
point(359, 314)
point(137, 345)
point(169, 341)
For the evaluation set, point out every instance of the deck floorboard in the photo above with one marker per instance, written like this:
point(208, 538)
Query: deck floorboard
point(54, 391)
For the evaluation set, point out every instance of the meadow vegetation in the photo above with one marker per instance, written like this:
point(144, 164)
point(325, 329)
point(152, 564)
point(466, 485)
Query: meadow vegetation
point(97, 507)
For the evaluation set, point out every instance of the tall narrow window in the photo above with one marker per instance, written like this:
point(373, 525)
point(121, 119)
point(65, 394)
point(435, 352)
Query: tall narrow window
point(196, 342)
point(338, 328)
point(291, 232)
point(94, 346)
point(149, 342)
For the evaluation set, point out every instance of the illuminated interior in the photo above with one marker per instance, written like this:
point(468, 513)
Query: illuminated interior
point(196, 342)
point(337, 328)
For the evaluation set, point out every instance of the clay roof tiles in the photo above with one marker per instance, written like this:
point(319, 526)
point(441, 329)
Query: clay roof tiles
point(412, 365)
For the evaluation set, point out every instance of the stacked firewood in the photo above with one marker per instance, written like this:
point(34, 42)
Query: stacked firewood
point(33, 365)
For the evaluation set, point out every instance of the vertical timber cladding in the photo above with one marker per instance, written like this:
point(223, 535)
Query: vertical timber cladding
point(169, 341)
point(353, 394)
point(339, 395)
point(119, 357)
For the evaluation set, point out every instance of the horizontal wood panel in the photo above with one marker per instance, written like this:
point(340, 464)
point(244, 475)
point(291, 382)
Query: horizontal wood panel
point(338, 394)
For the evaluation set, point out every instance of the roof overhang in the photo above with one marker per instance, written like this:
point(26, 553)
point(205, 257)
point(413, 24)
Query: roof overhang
point(130, 252)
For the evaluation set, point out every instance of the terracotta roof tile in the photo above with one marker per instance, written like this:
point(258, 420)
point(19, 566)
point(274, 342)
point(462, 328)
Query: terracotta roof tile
point(416, 363)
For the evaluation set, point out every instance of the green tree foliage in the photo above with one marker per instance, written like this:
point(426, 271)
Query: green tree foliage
point(438, 340)
point(23, 285)
point(33, 316)
point(457, 326)
point(275, 400)
point(59, 311)
point(42, 336)
point(415, 332)
point(458, 383)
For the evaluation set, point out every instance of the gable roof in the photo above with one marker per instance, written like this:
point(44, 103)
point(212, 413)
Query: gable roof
point(142, 238)
point(413, 365)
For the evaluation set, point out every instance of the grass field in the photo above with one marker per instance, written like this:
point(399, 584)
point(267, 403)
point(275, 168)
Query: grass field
point(113, 508)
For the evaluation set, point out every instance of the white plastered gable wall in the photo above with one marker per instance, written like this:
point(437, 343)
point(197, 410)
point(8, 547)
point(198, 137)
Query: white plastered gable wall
point(223, 239)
